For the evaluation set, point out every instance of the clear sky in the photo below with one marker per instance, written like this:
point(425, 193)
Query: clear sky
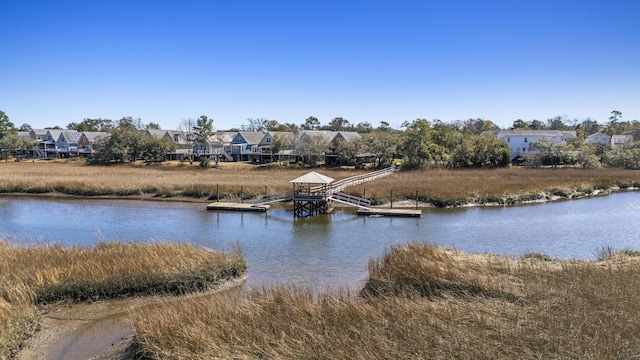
point(166, 61)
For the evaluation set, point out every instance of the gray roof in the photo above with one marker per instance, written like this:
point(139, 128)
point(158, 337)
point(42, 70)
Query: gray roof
point(287, 136)
point(598, 134)
point(252, 137)
point(329, 135)
point(92, 136)
point(156, 132)
point(312, 178)
point(350, 135)
point(533, 133)
point(569, 134)
point(71, 136)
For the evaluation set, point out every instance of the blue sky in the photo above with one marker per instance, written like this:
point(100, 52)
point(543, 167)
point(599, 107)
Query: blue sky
point(166, 61)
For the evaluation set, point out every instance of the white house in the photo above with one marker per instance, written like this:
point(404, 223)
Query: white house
point(620, 140)
point(67, 143)
point(599, 138)
point(520, 140)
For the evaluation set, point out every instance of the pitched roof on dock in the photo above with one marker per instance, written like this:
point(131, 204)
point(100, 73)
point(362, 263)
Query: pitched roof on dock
point(312, 178)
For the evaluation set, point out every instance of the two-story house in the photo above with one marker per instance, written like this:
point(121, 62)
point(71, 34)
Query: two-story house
point(520, 140)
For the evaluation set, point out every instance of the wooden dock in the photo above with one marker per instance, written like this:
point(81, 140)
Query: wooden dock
point(224, 206)
point(390, 212)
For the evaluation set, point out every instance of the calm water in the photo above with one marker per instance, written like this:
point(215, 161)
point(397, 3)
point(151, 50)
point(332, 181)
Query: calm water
point(329, 251)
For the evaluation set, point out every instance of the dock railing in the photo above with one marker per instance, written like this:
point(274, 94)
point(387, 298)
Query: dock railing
point(340, 185)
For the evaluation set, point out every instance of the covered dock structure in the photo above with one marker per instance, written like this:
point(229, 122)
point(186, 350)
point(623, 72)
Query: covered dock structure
point(310, 194)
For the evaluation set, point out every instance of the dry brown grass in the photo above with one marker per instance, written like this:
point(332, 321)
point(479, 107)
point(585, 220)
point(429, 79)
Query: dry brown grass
point(163, 180)
point(420, 302)
point(439, 187)
point(456, 187)
point(34, 275)
point(116, 269)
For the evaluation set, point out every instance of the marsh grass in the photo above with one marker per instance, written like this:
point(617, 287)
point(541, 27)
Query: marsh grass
point(449, 188)
point(161, 181)
point(439, 187)
point(419, 301)
point(31, 276)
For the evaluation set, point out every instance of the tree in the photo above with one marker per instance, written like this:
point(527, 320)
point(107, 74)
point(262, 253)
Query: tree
point(615, 115)
point(519, 125)
point(11, 143)
point(364, 127)
point(311, 123)
point(589, 126)
point(255, 124)
point(475, 126)
point(338, 124)
point(557, 123)
point(130, 123)
point(274, 125)
point(382, 145)
point(417, 145)
point(347, 152)
point(6, 126)
point(124, 144)
point(203, 130)
point(384, 126)
point(537, 125)
point(153, 149)
point(312, 148)
point(153, 126)
point(87, 124)
point(25, 127)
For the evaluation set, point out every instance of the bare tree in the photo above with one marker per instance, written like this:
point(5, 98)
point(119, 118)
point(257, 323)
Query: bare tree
point(255, 124)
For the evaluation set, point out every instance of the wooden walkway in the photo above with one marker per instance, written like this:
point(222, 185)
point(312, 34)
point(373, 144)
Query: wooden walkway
point(225, 206)
point(331, 193)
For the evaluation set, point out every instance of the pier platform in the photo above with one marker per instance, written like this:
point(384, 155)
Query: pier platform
point(390, 212)
point(224, 206)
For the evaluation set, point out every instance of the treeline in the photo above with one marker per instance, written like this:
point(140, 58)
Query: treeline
point(421, 143)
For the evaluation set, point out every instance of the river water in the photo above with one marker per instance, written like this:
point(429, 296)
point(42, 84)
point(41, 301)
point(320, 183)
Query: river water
point(329, 251)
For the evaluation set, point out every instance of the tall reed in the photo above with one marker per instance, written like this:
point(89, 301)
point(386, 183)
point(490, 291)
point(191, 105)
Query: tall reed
point(419, 302)
point(34, 275)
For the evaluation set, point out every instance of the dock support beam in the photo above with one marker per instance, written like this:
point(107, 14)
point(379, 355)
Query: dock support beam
point(306, 208)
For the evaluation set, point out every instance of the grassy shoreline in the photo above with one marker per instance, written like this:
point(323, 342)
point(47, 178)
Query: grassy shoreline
point(34, 276)
point(438, 187)
point(419, 301)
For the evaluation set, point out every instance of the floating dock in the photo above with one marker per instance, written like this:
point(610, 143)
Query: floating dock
point(223, 206)
point(390, 212)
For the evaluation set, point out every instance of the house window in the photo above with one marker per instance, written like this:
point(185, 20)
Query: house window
point(508, 139)
point(176, 137)
point(524, 149)
point(525, 139)
point(268, 140)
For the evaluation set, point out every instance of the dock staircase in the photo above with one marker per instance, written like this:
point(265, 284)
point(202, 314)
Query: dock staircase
point(227, 156)
point(350, 200)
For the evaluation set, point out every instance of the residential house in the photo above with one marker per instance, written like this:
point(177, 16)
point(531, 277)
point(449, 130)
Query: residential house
point(620, 140)
point(88, 140)
point(39, 135)
point(67, 143)
point(285, 141)
point(332, 138)
point(50, 142)
point(182, 140)
point(599, 138)
point(215, 145)
point(520, 140)
point(243, 143)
